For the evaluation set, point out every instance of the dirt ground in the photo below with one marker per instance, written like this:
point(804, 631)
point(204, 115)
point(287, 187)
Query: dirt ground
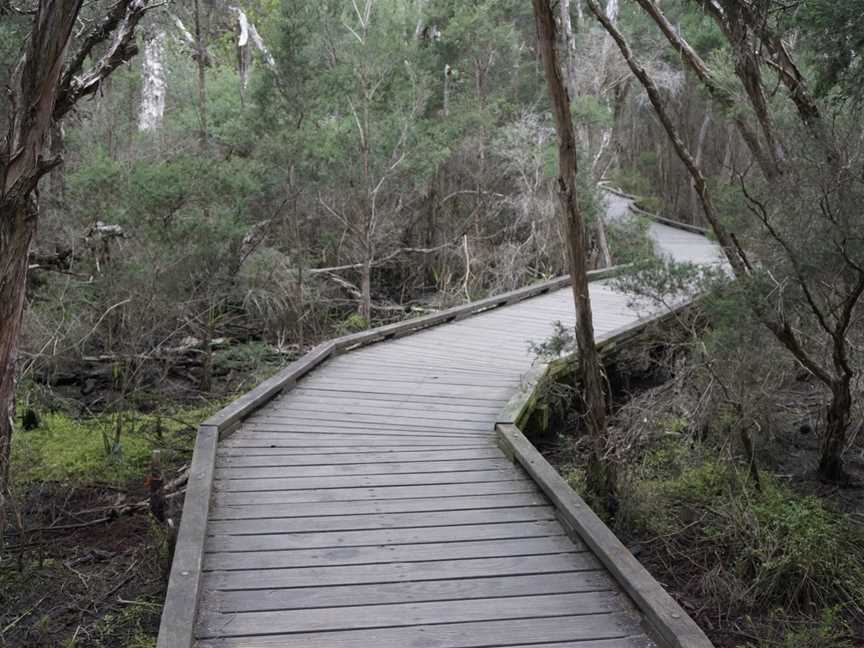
point(67, 582)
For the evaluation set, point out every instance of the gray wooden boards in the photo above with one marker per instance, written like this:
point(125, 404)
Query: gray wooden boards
point(667, 618)
point(361, 499)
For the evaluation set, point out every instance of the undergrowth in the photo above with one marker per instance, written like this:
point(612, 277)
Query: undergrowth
point(786, 566)
point(747, 551)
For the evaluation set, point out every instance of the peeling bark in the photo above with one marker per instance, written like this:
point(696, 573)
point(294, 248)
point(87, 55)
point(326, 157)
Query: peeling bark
point(41, 92)
point(152, 107)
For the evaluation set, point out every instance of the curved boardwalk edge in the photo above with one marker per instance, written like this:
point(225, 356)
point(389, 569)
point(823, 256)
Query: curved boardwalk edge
point(667, 619)
point(177, 625)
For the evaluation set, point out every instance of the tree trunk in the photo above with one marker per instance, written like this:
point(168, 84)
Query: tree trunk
point(602, 241)
point(447, 72)
point(366, 291)
point(834, 443)
point(154, 84)
point(568, 41)
point(700, 147)
point(17, 227)
point(601, 476)
point(201, 60)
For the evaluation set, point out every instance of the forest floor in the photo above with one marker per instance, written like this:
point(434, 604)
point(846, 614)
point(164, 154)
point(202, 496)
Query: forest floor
point(780, 566)
point(78, 568)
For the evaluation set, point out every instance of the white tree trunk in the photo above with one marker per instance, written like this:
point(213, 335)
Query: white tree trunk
point(245, 32)
point(155, 84)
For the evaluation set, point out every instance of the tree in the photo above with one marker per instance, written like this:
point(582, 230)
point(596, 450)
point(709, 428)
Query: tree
point(601, 476)
point(45, 86)
point(799, 257)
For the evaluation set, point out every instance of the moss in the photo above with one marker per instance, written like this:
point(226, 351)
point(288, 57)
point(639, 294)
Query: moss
point(352, 324)
point(87, 450)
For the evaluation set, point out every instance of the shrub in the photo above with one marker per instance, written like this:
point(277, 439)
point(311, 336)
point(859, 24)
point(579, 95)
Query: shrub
point(768, 549)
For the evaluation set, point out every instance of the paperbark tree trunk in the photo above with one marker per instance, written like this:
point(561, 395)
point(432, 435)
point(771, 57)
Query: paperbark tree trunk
point(154, 84)
point(602, 474)
point(17, 227)
point(41, 92)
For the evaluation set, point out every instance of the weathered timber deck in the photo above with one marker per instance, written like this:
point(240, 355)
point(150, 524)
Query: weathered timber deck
point(368, 504)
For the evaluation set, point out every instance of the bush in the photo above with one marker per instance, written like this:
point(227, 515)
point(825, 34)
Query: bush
point(763, 550)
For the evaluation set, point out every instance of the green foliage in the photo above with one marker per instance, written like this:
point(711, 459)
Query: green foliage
point(769, 549)
point(245, 358)
point(662, 281)
point(631, 181)
point(561, 342)
point(834, 33)
point(589, 111)
point(352, 324)
point(830, 631)
point(629, 240)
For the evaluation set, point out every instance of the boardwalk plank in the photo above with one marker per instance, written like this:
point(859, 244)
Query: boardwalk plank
point(586, 629)
point(360, 468)
point(405, 614)
point(381, 521)
point(228, 459)
point(218, 602)
point(291, 483)
point(387, 553)
point(377, 537)
point(375, 493)
point(529, 497)
point(390, 572)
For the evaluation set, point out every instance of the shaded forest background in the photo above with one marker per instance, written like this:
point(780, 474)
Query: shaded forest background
point(267, 177)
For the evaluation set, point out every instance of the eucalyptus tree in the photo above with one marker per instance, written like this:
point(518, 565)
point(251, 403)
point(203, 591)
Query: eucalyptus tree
point(799, 256)
point(602, 473)
point(56, 68)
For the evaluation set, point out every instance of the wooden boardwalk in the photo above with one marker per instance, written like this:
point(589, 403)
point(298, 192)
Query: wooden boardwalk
point(370, 505)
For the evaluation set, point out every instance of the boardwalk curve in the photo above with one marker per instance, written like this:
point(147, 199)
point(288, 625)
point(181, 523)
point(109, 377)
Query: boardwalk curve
point(370, 499)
